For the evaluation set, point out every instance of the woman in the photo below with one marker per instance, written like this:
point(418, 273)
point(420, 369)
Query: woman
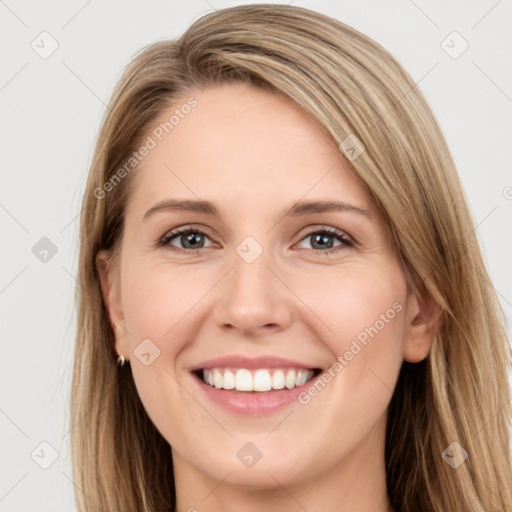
point(333, 342)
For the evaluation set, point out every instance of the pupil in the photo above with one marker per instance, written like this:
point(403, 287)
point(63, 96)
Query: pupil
point(190, 238)
point(324, 239)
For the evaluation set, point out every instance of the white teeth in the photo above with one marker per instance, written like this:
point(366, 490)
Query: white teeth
point(260, 380)
point(243, 380)
point(302, 377)
point(217, 378)
point(289, 381)
point(278, 379)
point(229, 380)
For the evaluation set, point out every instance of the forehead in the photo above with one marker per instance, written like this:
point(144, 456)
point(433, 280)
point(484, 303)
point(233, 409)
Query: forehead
point(244, 145)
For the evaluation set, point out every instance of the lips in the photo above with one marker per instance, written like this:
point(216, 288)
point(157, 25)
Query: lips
point(253, 385)
point(240, 361)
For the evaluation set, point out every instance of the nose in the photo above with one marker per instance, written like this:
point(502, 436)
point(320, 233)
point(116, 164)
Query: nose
point(253, 299)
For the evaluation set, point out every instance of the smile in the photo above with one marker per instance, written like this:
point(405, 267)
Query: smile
point(256, 380)
point(253, 385)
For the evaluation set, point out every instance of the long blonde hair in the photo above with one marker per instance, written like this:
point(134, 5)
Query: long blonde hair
point(353, 87)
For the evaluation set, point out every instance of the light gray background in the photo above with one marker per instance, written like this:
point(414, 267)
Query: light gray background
point(51, 110)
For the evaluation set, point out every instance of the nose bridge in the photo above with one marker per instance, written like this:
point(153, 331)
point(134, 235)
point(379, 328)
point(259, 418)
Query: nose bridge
point(253, 297)
point(251, 277)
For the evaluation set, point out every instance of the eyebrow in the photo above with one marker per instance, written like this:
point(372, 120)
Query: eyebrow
point(297, 210)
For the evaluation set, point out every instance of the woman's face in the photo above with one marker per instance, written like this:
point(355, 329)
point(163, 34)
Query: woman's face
point(267, 289)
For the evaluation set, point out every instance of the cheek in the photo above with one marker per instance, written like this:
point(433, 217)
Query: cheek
point(156, 303)
point(364, 312)
point(362, 305)
point(159, 304)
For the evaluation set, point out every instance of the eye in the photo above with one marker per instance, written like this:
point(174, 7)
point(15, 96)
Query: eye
point(322, 240)
point(191, 239)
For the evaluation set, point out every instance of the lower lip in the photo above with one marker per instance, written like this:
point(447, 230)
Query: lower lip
point(253, 403)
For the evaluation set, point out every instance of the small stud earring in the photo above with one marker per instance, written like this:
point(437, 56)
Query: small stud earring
point(121, 361)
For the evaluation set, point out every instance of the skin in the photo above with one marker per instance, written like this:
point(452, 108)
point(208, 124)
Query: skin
point(255, 155)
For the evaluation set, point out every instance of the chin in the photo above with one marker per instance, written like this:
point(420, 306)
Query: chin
point(252, 468)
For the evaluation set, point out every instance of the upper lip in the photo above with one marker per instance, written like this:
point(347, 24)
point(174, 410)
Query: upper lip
point(240, 361)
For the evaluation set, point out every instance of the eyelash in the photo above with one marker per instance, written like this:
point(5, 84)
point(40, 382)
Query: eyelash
point(346, 242)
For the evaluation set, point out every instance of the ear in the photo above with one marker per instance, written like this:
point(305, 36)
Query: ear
point(111, 291)
point(422, 315)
